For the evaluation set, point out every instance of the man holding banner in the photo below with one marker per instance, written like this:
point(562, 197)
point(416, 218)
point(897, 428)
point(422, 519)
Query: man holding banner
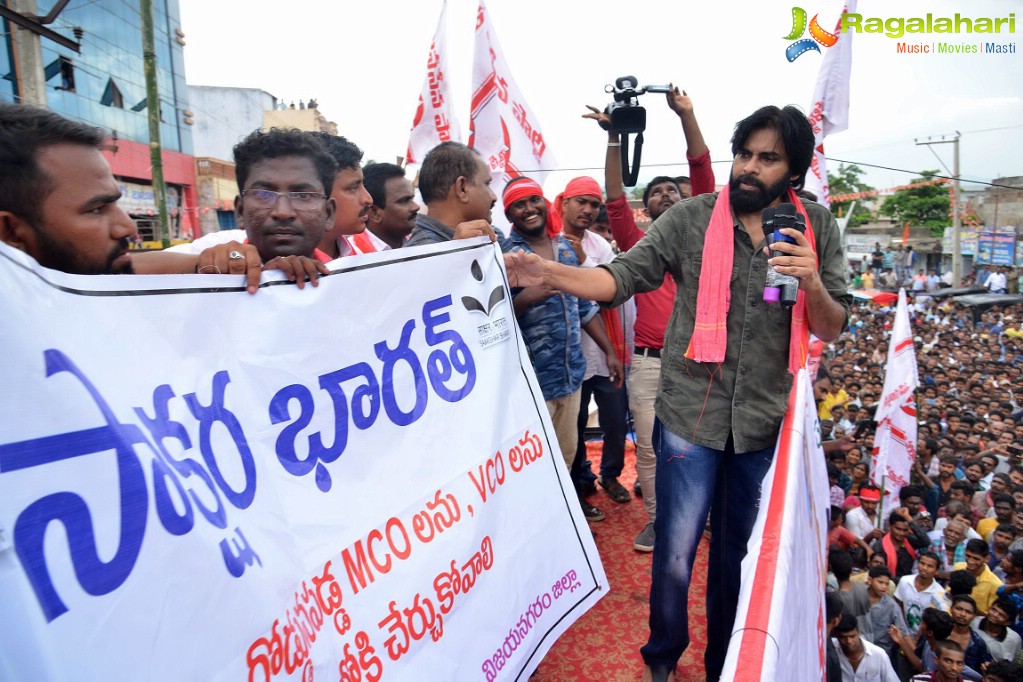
point(726, 375)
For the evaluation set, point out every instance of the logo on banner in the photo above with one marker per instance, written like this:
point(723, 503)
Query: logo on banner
point(818, 36)
point(493, 331)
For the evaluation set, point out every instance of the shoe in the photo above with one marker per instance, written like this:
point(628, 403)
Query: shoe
point(658, 674)
point(645, 540)
point(615, 490)
point(637, 489)
point(591, 513)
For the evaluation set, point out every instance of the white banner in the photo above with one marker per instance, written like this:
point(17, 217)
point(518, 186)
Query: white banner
point(504, 129)
point(829, 112)
point(779, 626)
point(200, 484)
point(435, 119)
point(895, 441)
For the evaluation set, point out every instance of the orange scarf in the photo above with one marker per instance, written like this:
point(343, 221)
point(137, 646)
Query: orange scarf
point(891, 553)
point(363, 243)
point(713, 297)
point(615, 333)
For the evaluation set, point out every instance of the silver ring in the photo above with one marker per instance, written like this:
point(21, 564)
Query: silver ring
point(235, 255)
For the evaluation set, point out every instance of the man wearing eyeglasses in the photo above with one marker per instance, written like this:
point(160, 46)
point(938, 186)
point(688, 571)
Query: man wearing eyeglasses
point(284, 177)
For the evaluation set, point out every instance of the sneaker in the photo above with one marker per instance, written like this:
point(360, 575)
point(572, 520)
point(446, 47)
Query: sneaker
point(637, 489)
point(645, 540)
point(591, 513)
point(615, 490)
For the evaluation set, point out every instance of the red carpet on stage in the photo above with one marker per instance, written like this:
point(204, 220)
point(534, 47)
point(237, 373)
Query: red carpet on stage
point(603, 645)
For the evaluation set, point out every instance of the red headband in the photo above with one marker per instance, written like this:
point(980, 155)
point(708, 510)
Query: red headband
point(577, 187)
point(520, 188)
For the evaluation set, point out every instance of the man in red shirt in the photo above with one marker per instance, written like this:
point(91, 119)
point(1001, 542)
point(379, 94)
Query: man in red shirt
point(654, 308)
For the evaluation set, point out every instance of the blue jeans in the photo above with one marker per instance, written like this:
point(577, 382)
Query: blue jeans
point(692, 480)
point(612, 405)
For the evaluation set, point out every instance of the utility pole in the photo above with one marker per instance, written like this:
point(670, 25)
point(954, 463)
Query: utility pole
point(957, 253)
point(153, 109)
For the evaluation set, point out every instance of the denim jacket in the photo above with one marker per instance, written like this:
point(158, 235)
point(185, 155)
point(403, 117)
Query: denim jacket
point(552, 329)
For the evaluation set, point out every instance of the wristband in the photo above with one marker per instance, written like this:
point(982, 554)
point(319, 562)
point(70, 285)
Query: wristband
point(614, 144)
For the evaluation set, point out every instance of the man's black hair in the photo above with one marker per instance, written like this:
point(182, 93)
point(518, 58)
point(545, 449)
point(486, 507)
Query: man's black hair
point(1006, 604)
point(896, 517)
point(24, 131)
point(793, 130)
point(345, 153)
point(911, 491)
point(846, 624)
point(938, 622)
point(878, 571)
point(278, 143)
point(956, 598)
point(841, 564)
point(444, 164)
point(833, 606)
point(963, 485)
point(1006, 671)
point(961, 582)
point(376, 176)
point(660, 179)
point(978, 546)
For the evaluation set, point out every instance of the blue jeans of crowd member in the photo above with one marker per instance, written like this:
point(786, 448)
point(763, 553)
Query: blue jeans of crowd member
point(612, 406)
point(692, 480)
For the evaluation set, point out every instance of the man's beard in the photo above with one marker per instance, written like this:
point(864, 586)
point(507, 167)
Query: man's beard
point(57, 256)
point(533, 232)
point(754, 200)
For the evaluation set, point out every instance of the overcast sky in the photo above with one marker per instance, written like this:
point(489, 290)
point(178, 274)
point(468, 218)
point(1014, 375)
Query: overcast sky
point(365, 62)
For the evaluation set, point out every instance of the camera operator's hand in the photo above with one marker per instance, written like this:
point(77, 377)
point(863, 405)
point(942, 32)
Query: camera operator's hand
point(679, 102)
point(602, 119)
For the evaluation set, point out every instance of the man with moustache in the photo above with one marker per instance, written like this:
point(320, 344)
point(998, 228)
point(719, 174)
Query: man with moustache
point(653, 309)
point(454, 182)
point(392, 216)
point(235, 251)
point(726, 377)
point(551, 322)
point(58, 199)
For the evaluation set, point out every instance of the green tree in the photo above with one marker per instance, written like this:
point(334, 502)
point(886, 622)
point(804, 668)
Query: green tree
point(847, 181)
point(927, 205)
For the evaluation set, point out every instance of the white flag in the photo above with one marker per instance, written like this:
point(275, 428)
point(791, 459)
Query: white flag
point(503, 128)
point(830, 110)
point(895, 441)
point(435, 120)
point(779, 631)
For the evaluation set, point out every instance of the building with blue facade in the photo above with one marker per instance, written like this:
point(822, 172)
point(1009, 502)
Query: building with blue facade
point(103, 84)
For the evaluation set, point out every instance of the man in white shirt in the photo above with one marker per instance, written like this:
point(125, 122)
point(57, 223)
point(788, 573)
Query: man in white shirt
point(859, 660)
point(392, 216)
point(862, 521)
point(997, 282)
point(920, 590)
point(579, 205)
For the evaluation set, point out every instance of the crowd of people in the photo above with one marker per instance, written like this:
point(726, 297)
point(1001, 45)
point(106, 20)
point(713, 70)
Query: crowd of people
point(933, 589)
point(671, 326)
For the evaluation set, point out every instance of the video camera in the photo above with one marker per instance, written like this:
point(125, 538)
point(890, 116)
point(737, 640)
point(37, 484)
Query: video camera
point(627, 117)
